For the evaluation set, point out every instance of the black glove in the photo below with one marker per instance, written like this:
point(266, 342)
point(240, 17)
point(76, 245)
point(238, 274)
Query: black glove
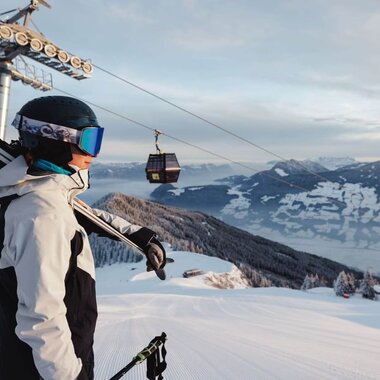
point(155, 254)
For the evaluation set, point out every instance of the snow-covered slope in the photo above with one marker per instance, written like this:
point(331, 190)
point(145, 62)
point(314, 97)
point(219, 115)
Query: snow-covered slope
point(225, 334)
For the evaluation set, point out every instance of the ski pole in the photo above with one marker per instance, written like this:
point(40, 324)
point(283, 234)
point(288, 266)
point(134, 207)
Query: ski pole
point(86, 210)
point(152, 347)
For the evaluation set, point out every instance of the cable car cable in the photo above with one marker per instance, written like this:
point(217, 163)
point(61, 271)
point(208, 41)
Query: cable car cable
point(294, 164)
point(194, 146)
point(210, 122)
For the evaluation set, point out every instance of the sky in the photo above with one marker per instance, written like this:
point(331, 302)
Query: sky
point(298, 78)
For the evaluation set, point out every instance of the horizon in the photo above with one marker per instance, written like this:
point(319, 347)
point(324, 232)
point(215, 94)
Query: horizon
point(220, 163)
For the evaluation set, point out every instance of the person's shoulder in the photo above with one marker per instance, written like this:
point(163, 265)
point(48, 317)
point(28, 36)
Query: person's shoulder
point(50, 205)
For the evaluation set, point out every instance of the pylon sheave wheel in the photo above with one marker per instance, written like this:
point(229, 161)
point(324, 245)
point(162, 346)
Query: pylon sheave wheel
point(87, 67)
point(76, 62)
point(63, 56)
point(21, 39)
point(6, 32)
point(36, 44)
point(50, 50)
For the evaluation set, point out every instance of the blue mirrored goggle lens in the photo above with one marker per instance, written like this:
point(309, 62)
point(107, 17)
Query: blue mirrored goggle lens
point(91, 140)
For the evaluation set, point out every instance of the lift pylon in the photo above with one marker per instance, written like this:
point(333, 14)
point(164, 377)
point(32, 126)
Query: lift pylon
point(18, 39)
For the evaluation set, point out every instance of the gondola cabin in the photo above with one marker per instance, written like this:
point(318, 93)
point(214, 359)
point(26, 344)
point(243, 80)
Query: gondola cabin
point(162, 168)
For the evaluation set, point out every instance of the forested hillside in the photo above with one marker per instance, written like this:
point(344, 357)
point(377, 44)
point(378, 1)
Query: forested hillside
point(263, 261)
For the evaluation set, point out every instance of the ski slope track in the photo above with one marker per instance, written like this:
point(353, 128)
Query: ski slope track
point(227, 334)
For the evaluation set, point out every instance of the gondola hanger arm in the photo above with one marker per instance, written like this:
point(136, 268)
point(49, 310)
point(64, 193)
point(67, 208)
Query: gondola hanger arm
point(156, 134)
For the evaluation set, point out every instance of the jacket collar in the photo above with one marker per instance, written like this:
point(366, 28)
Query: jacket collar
point(14, 179)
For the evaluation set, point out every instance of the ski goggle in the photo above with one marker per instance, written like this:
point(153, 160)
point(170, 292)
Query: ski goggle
point(88, 139)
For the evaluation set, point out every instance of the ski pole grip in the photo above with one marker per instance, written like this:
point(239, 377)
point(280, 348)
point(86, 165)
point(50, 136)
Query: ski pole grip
point(151, 348)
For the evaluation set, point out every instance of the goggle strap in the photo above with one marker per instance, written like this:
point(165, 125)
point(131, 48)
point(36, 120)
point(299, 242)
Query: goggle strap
point(48, 130)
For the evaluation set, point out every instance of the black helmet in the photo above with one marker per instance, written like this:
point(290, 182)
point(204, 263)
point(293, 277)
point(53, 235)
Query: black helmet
point(60, 110)
point(48, 125)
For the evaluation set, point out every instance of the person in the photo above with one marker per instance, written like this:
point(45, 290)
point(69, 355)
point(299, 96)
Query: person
point(47, 275)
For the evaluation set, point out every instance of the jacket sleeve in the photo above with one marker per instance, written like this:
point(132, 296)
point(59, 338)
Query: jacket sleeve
point(41, 254)
point(141, 236)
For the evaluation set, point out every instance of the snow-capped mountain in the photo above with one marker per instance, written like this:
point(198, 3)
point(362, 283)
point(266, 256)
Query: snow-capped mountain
point(291, 205)
point(333, 163)
point(329, 163)
point(293, 167)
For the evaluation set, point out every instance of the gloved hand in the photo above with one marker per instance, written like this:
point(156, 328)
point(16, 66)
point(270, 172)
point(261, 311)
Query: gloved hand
point(155, 254)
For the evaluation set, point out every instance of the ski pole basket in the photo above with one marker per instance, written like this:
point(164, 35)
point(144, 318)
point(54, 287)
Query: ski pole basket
point(162, 167)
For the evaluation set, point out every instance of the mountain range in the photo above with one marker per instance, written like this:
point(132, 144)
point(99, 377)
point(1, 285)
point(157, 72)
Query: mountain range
point(297, 201)
point(327, 206)
point(263, 262)
point(135, 171)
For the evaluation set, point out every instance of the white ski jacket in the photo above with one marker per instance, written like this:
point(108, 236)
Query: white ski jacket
point(47, 261)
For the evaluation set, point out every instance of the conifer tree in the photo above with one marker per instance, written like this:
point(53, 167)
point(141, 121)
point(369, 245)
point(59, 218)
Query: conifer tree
point(341, 285)
point(323, 282)
point(316, 282)
point(306, 283)
point(367, 286)
point(351, 283)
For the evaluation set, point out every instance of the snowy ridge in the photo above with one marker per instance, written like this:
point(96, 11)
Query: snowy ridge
point(224, 334)
point(291, 167)
point(333, 163)
point(329, 163)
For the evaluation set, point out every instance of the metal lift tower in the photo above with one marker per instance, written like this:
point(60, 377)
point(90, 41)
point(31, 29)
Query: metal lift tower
point(18, 40)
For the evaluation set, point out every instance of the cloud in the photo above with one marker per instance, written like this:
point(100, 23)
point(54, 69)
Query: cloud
point(360, 136)
point(220, 26)
point(347, 120)
point(300, 78)
point(130, 12)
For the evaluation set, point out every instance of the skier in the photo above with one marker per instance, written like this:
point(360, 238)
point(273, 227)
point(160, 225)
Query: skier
point(47, 276)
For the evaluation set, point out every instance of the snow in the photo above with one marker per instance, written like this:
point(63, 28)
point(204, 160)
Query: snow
point(359, 204)
point(281, 172)
point(238, 207)
point(176, 192)
point(333, 163)
point(180, 190)
point(224, 334)
point(267, 198)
